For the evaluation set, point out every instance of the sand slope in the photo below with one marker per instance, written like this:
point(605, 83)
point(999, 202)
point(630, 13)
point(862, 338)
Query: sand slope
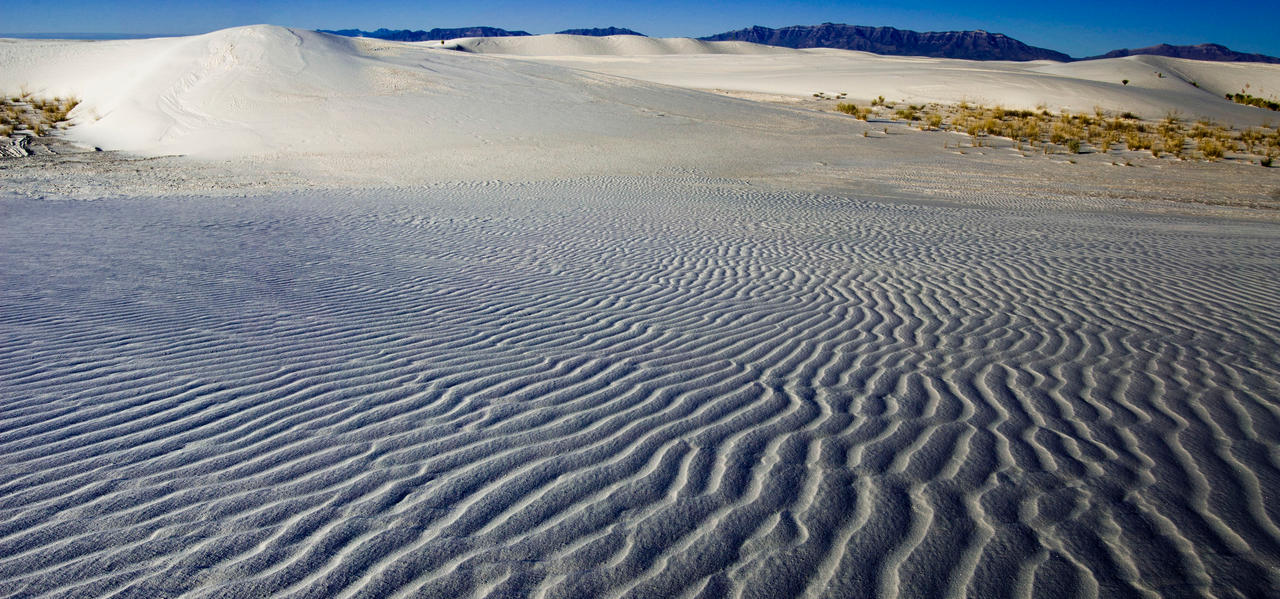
point(271, 91)
point(1076, 86)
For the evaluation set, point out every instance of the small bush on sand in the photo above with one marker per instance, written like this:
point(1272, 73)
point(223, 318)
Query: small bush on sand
point(1138, 141)
point(1211, 148)
point(853, 110)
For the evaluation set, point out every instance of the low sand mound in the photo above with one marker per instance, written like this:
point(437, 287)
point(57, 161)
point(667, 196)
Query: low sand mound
point(1156, 85)
point(1207, 81)
point(613, 45)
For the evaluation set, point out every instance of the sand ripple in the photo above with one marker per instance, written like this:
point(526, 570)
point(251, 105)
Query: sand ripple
point(633, 387)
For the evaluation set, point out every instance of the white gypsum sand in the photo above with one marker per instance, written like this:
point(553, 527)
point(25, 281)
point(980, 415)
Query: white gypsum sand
point(1156, 85)
point(393, 326)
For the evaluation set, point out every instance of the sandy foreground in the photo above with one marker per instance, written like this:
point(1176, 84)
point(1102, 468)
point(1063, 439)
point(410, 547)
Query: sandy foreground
point(340, 318)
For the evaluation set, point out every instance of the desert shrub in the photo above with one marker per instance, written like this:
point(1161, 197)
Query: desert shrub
point(6, 130)
point(1109, 139)
point(1266, 161)
point(853, 110)
point(1073, 145)
point(1253, 138)
point(1211, 148)
point(907, 114)
point(879, 101)
point(1137, 141)
point(1060, 133)
point(1030, 129)
point(934, 120)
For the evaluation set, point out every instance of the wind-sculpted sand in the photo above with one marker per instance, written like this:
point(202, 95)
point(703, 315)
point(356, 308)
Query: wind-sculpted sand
point(646, 387)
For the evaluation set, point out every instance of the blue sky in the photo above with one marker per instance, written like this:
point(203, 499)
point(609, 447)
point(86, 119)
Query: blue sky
point(1079, 28)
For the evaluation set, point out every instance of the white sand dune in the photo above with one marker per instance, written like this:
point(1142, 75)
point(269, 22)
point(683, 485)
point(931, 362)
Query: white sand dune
point(271, 91)
point(551, 384)
point(276, 92)
point(1076, 86)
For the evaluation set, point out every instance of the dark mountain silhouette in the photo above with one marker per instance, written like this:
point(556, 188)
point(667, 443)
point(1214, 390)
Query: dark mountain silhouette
point(972, 45)
point(602, 31)
point(405, 35)
point(1214, 52)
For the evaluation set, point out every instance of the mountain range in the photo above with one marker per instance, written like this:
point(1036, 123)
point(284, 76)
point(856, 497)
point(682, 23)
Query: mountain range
point(406, 35)
point(969, 45)
point(602, 31)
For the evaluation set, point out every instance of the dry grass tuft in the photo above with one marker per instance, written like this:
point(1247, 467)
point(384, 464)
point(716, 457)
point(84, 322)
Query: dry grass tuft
point(32, 115)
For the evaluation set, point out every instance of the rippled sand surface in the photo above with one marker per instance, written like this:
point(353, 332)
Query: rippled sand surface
point(649, 387)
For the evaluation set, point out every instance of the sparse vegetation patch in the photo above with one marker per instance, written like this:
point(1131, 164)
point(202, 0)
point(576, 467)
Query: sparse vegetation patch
point(1248, 100)
point(23, 117)
point(35, 116)
point(1083, 133)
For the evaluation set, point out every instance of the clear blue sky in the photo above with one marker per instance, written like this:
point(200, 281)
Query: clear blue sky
point(1079, 28)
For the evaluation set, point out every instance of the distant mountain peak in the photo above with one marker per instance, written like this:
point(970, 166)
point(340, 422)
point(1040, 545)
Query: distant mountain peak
point(1213, 52)
point(971, 45)
point(602, 31)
